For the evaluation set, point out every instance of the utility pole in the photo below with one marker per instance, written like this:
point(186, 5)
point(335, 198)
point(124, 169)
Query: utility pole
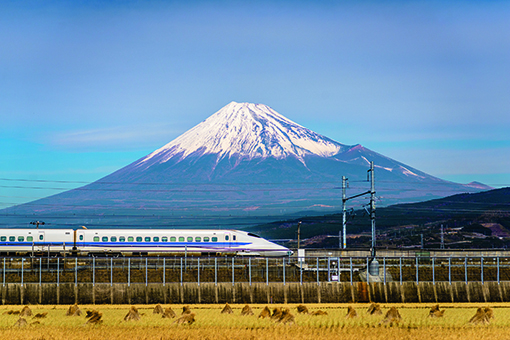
point(345, 183)
point(372, 206)
point(298, 233)
point(442, 237)
point(344, 219)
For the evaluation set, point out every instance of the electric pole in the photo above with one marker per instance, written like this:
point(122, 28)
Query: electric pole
point(298, 233)
point(345, 183)
point(372, 206)
point(344, 219)
point(442, 237)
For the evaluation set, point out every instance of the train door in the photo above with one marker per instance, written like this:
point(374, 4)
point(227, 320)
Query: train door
point(228, 239)
point(80, 238)
point(40, 242)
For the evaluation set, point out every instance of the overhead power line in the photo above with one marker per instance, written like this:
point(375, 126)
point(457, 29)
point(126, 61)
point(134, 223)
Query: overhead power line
point(339, 182)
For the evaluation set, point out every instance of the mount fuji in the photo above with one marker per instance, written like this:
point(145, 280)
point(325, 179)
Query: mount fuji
point(245, 161)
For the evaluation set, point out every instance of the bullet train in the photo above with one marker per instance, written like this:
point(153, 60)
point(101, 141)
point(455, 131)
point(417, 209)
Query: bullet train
point(106, 242)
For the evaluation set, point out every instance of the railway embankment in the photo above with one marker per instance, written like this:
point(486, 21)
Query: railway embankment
point(193, 293)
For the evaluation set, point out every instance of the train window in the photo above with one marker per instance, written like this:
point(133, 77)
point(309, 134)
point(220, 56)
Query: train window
point(96, 238)
point(206, 239)
point(122, 239)
point(198, 239)
point(226, 237)
point(21, 238)
point(214, 239)
point(190, 239)
point(113, 238)
point(30, 238)
point(234, 237)
point(12, 238)
point(138, 239)
point(253, 235)
point(131, 238)
point(147, 239)
point(81, 237)
point(3, 238)
point(181, 238)
point(155, 239)
point(41, 237)
point(172, 239)
point(104, 239)
point(164, 239)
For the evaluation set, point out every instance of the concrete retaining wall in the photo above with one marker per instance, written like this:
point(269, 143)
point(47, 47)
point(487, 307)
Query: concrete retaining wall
point(192, 293)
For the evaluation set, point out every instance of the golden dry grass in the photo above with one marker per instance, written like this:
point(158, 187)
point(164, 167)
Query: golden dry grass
point(211, 324)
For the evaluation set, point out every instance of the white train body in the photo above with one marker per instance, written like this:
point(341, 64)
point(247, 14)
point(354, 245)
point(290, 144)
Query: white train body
point(138, 241)
point(36, 240)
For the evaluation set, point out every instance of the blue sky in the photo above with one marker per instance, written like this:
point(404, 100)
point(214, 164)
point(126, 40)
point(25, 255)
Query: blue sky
point(87, 87)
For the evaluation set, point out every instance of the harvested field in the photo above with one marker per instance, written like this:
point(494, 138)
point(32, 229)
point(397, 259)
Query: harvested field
point(302, 309)
point(435, 312)
point(489, 313)
point(186, 310)
point(227, 309)
point(169, 313)
point(21, 323)
point(26, 311)
point(277, 314)
point(265, 313)
point(132, 315)
point(286, 317)
point(74, 310)
point(392, 316)
point(94, 317)
point(374, 309)
point(186, 319)
point(480, 317)
point(351, 313)
point(319, 313)
point(158, 310)
point(207, 323)
point(246, 311)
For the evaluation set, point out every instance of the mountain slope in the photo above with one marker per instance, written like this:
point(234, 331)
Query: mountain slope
point(245, 130)
point(246, 160)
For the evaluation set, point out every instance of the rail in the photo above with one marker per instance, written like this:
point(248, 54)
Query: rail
point(163, 270)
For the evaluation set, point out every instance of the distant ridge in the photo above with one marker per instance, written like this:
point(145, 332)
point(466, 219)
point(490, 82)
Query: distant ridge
point(462, 212)
point(495, 199)
point(244, 162)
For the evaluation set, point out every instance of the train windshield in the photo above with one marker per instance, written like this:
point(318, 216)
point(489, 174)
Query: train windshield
point(257, 236)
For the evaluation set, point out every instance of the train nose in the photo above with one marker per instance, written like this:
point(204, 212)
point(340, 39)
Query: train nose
point(276, 253)
point(280, 251)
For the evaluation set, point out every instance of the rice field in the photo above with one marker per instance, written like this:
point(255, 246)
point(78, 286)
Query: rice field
point(211, 324)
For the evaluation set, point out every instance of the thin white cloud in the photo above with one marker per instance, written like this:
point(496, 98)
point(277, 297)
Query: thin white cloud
point(126, 137)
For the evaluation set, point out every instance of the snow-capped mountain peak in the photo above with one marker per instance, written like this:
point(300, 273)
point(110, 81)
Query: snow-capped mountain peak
point(247, 130)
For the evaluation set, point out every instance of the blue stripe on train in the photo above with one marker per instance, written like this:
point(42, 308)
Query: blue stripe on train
point(129, 244)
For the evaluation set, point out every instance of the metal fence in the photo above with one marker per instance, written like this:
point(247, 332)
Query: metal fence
point(145, 270)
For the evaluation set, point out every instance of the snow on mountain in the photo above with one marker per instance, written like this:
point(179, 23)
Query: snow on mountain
point(246, 130)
